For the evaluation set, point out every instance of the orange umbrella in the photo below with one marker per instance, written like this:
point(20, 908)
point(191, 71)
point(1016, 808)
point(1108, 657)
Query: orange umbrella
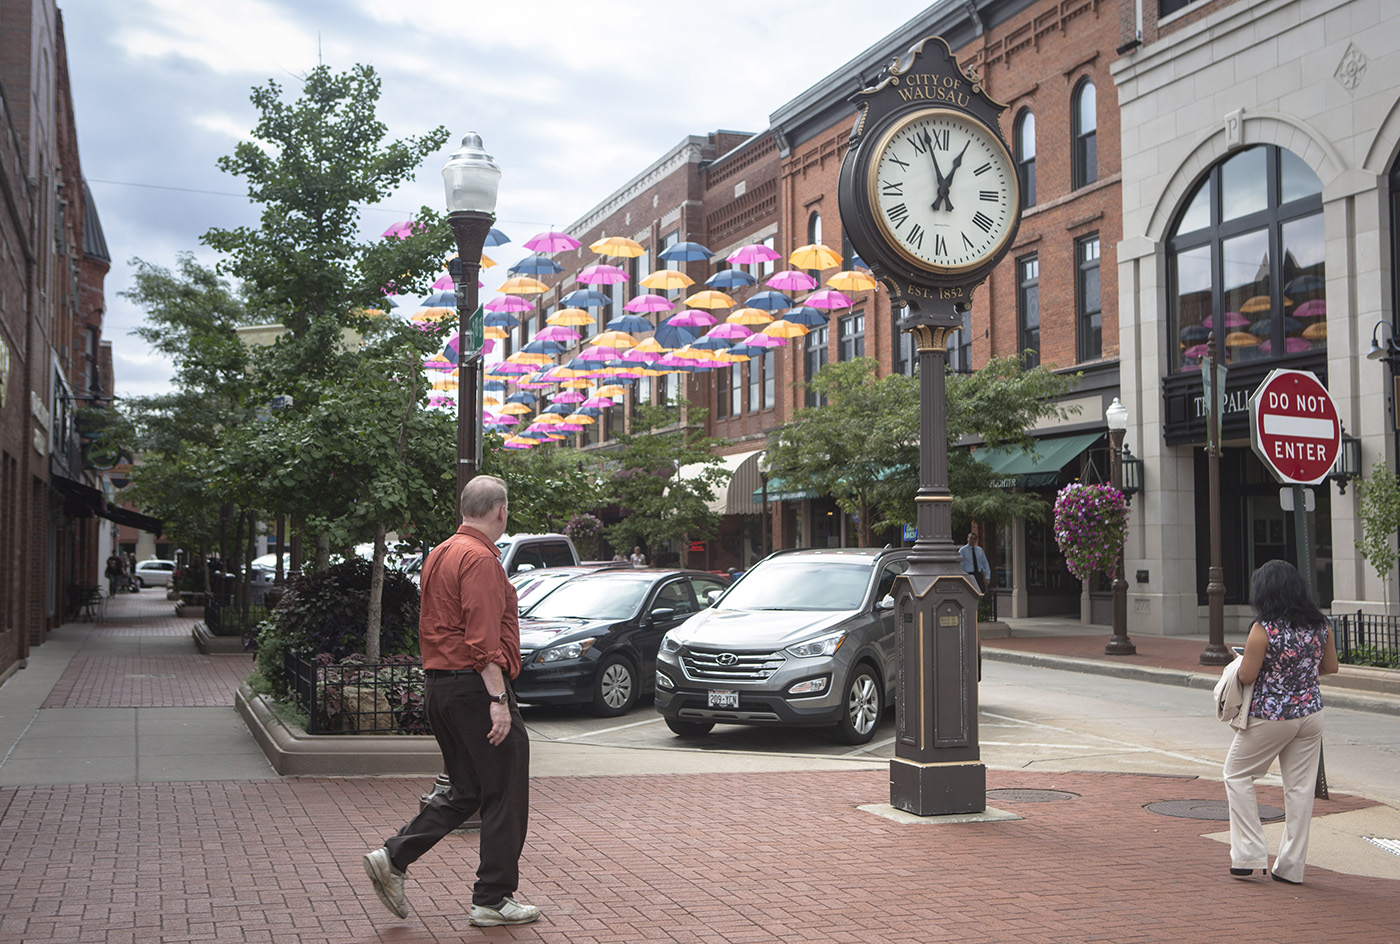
point(582, 419)
point(710, 299)
point(750, 316)
point(569, 317)
point(491, 331)
point(610, 390)
point(523, 285)
point(520, 357)
point(852, 280)
point(617, 246)
point(650, 346)
point(518, 409)
point(432, 314)
point(667, 279)
point(1316, 331)
point(785, 329)
point(614, 339)
point(814, 256)
point(1240, 339)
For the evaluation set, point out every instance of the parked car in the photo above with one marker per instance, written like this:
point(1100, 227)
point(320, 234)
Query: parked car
point(536, 551)
point(532, 586)
point(805, 637)
point(593, 639)
point(154, 573)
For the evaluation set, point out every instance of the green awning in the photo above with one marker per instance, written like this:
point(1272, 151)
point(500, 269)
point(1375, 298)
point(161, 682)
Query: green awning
point(1015, 467)
point(780, 491)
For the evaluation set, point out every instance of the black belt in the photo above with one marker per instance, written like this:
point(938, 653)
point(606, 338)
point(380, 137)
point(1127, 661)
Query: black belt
point(447, 673)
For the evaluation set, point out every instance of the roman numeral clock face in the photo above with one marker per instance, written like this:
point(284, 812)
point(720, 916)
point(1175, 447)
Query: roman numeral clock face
point(943, 191)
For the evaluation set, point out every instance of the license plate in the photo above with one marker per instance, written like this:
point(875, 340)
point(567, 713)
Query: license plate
point(724, 699)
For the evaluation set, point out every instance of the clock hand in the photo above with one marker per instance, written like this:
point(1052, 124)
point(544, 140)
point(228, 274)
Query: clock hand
point(928, 143)
point(945, 183)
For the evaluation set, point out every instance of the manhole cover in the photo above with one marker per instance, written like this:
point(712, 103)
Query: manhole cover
point(1207, 809)
point(1389, 845)
point(1030, 796)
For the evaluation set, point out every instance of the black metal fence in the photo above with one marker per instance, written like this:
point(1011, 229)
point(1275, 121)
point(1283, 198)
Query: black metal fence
point(225, 616)
point(1367, 639)
point(359, 697)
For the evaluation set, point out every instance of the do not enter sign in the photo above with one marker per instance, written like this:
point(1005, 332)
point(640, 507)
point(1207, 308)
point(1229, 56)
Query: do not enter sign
point(1294, 427)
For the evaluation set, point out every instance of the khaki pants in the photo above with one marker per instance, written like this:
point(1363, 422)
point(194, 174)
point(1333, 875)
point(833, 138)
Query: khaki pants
point(1297, 744)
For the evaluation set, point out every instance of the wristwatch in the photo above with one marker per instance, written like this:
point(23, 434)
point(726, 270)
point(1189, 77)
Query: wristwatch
point(501, 699)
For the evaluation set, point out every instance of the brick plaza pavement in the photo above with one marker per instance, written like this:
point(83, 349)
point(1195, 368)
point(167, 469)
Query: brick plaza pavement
point(718, 857)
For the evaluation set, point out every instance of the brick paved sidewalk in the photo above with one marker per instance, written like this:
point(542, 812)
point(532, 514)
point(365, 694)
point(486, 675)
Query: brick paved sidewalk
point(715, 858)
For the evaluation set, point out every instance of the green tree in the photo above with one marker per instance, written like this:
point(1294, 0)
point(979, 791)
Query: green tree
point(1379, 496)
point(862, 447)
point(660, 504)
point(548, 486)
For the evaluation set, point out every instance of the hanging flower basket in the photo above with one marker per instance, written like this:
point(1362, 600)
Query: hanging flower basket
point(1091, 522)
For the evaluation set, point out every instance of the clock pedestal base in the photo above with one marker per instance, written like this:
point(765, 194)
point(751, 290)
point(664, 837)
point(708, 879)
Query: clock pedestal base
point(938, 789)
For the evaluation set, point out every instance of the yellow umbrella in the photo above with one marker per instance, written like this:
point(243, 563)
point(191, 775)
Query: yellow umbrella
point(852, 280)
point(576, 382)
point(710, 299)
point(520, 441)
point(1317, 331)
point(610, 390)
point(614, 339)
point(446, 385)
point(650, 346)
point(785, 329)
point(569, 317)
point(617, 246)
point(1240, 339)
point(582, 419)
point(432, 314)
point(515, 409)
point(724, 357)
point(814, 256)
point(667, 279)
point(520, 357)
point(491, 331)
point(486, 261)
point(547, 419)
point(488, 400)
point(523, 285)
point(749, 316)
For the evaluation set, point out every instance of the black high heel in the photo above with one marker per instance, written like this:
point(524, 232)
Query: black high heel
point(1241, 873)
point(1286, 881)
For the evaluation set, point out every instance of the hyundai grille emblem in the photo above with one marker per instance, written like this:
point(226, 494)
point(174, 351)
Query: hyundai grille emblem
point(726, 658)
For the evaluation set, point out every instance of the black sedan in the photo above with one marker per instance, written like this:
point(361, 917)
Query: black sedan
point(593, 640)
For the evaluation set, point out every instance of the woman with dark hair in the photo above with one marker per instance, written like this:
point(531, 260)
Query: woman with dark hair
point(1289, 646)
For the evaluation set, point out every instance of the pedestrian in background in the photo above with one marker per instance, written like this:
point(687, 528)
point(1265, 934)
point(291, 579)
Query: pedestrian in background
point(638, 559)
point(1289, 646)
point(974, 563)
point(116, 574)
point(470, 638)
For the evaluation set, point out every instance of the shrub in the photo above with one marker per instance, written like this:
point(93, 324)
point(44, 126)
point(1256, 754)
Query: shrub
point(324, 614)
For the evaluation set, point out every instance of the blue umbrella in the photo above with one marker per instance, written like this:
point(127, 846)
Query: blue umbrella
point(804, 315)
point(496, 238)
point(536, 265)
point(730, 278)
point(770, 301)
point(500, 319)
point(747, 350)
point(708, 343)
point(494, 385)
point(563, 409)
point(669, 335)
point(685, 252)
point(440, 300)
point(543, 347)
point(585, 298)
point(630, 324)
point(526, 398)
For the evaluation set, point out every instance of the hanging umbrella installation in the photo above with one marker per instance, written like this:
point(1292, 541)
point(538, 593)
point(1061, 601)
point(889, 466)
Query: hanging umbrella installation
point(754, 254)
point(851, 280)
point(685, 252)
point(805, 315)
point(648, 302)
point(496, 238)
point(508, 303)
point(814, 256)
point(750, 316)
point(709, 298)
point(667, 280)
point(535, 265)
point(570, 317)
point(828, 298)
point(523, 285)
point(730, 279)
point(791, 280)
point(619, 246)
point(551, 242)
point(770, 301)
point(602, 274)
point(585, 298)
point(632, 324)
point(692, 318)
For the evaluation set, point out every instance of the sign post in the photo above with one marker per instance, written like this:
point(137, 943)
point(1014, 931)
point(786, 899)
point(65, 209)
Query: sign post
point(1295, 430)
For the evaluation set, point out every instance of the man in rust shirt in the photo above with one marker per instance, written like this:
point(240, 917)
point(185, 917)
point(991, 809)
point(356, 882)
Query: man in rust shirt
point(469, 633)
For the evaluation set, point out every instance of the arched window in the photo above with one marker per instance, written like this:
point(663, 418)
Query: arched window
point(814, 228)
point(1245, 263)
point(1024, 135)
point(1085, 122)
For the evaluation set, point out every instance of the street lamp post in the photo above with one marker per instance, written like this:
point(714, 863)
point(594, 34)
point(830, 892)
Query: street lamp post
point(470, 178)
point(1116, 416)
point(1213, 377)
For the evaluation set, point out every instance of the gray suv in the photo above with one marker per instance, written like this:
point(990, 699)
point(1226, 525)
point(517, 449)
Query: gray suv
point(805, 637)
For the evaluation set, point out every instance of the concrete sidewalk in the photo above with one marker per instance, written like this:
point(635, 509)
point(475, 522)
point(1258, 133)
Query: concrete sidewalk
point(132, 809)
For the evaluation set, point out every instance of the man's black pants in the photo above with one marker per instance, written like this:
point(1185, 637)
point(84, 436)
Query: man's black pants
point(494, 779)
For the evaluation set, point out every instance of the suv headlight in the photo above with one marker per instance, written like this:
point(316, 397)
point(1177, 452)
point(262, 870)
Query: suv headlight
point(670, 643)
point(570, 650)
point(821, 646)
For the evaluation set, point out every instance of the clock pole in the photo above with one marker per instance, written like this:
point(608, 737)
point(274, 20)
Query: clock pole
point(931, 231)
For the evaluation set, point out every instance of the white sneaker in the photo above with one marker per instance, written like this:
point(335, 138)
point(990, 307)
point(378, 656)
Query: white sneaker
point(388, 882)
point(509, 911)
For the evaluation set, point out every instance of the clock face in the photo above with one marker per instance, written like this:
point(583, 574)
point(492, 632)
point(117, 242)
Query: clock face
point(943, 190)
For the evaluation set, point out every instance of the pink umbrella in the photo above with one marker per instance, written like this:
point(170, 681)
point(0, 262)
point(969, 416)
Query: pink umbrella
point(597, 403)
point(754, 253)
point(510, 367)
point(1196, 350)
point(443, 282)
point(438, 362)
point(402, 230)
point(828, 298)
point(552, 242)
point(441, 401)
point(728, 331)
point(600, 352)
point(764, 340)
point(692, 318)
point(1233, 319)
point(649, 302)
point(791, 280)
point(568, 396)
point(602, 274)
point(1290, 345)
point(509, 303)
point(556, 333)
point(1317, 308)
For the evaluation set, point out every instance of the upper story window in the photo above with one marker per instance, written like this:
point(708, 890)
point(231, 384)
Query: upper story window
point(1245, 263)
point(1028, 310)
point(1088, 298)
point(815, 358)
point(1086, 127)
point(814, 227)
point(1168, 7)
point(852, 337)
point(1024, 140)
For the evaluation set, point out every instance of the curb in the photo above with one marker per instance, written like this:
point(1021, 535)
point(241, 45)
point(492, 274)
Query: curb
point(1332, 695)
point(208, 644)
point(294, 753)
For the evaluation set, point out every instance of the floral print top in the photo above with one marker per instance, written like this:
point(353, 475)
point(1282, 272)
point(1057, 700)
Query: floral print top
point(1287, 684)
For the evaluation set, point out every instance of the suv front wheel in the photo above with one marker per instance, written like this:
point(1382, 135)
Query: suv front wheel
point(689, 729)
point(863, 706)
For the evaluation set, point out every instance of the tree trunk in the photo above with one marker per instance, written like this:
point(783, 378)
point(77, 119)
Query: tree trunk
point(323, 552)
point(376, 597)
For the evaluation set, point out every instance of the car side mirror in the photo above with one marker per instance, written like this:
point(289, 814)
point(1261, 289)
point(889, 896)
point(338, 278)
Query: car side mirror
point(712, 595)
point(886, 603)
point(662, 613)
point(523, 568)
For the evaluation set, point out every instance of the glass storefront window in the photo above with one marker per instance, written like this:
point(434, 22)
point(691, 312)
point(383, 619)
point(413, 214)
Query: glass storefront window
point(1304, 321)
point(1191, 293)
point(1248, 275)
point(1244, 184)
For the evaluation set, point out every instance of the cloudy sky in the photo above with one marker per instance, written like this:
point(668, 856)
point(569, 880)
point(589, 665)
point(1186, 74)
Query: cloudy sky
point(573, 99)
